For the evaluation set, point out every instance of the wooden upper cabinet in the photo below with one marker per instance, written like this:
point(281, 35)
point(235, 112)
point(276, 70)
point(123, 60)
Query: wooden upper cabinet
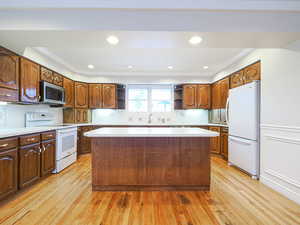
point(29, 164)
point(69, 93)
point(29, 81)
point(216, 95)
point(224, 91)
point(204, 96)
point(57, 79)
point(46, 74)
point(81, 95)
point(237, 79)
point(95, 95)
point(9, 69)
point(190, 96)
point(109, 96)
point(252, 73)
point(9, 172)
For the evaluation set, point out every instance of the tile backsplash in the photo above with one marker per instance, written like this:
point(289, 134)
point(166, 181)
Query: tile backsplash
point(107, 116)
point(13, 115)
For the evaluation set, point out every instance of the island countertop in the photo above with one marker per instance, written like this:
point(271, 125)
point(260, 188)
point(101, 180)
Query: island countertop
point(150, 132)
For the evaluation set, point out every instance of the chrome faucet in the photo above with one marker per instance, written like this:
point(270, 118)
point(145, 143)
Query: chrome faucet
point(150, 118)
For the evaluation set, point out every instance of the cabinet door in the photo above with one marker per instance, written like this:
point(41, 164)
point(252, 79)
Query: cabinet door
point(109, 100)
point(48, 157)
point(237, 79)
point(81, 95)
point(46, 75)
point(9, 70)
point(95, 96)
point(224, 145)
point(224, 91)
point(78, 116)
point(252, 73)
point(216, 95)
point(30, 77)
point(85, 143)
point(69, 93)
point(190, 96)
point(215, 141)
point(8, 172)
point(204, 96)
point(29, 166)
point(57, 79)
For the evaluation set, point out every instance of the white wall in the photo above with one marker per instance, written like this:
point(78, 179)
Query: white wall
point(187, 117)
point(13, 116)
point(280, 121)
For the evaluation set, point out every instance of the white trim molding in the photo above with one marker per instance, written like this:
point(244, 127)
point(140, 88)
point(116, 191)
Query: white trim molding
point(279, 153)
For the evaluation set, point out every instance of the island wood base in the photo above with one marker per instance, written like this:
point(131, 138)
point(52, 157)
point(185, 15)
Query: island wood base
point(150, 163)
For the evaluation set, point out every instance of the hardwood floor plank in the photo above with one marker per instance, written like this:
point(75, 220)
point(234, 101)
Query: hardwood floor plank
point(67, 198)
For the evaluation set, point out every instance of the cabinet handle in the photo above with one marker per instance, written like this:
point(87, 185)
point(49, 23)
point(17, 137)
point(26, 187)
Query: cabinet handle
point(4, 145)
point(5, 95)
point(31, 139)
point(44, 148)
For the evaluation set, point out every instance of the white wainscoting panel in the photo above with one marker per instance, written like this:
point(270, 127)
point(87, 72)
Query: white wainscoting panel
point(280, 159)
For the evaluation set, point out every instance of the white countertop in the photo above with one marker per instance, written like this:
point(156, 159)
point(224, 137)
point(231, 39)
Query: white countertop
point(11, 132)
point(151, 132)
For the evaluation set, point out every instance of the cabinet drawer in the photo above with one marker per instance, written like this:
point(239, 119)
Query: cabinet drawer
point(8, 95)
point(8, 143)
point(29, 139)
point(224, 129)
point(48, 135)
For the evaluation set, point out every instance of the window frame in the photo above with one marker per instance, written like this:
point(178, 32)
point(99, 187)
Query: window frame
point(149, 87)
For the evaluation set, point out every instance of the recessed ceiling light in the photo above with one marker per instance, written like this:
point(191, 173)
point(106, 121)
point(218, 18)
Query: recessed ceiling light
point(91, 66)
point(130, 67)
point(170, 67)
point(205, 67)
point(113, 40)
point(195, 40)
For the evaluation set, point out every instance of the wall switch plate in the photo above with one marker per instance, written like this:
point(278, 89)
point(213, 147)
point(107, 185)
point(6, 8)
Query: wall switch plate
point(2, 117)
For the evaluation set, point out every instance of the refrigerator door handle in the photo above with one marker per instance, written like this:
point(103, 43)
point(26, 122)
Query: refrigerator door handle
point(227, 111)
point(245, 142)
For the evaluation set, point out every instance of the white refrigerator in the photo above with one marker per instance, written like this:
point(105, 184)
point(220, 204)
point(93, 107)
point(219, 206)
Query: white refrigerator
point(243, 118)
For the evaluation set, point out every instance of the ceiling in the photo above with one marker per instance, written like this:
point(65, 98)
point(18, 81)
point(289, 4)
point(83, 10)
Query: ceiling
point(153, 34)
point(148, 52)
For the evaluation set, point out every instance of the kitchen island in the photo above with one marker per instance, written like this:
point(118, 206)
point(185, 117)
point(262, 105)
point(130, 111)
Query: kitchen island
point(138, 158)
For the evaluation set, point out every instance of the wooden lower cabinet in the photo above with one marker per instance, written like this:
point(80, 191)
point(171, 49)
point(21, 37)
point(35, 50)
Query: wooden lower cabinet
point(224, 142)
point(8, 172)
point(215, 141)
point(48, 157)
point(29, 164)
point(85, 142)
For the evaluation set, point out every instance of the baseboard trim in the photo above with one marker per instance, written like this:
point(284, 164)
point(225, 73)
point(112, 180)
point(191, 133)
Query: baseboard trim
point(282, 177)
point(290, 194)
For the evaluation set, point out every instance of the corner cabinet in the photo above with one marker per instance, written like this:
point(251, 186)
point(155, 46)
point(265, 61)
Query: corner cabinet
point(220, 90)
point(29, 81)
point(69, 93)
point(81, 95)
point(196, 96)
point(9, 76)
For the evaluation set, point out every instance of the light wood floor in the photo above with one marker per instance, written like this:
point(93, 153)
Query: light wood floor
point(67, 198)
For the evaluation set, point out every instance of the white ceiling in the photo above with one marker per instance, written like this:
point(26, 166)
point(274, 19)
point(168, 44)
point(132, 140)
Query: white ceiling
point(150, 53)
point(153, 34)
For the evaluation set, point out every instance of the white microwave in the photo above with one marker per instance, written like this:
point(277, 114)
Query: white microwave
point(52, 94)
